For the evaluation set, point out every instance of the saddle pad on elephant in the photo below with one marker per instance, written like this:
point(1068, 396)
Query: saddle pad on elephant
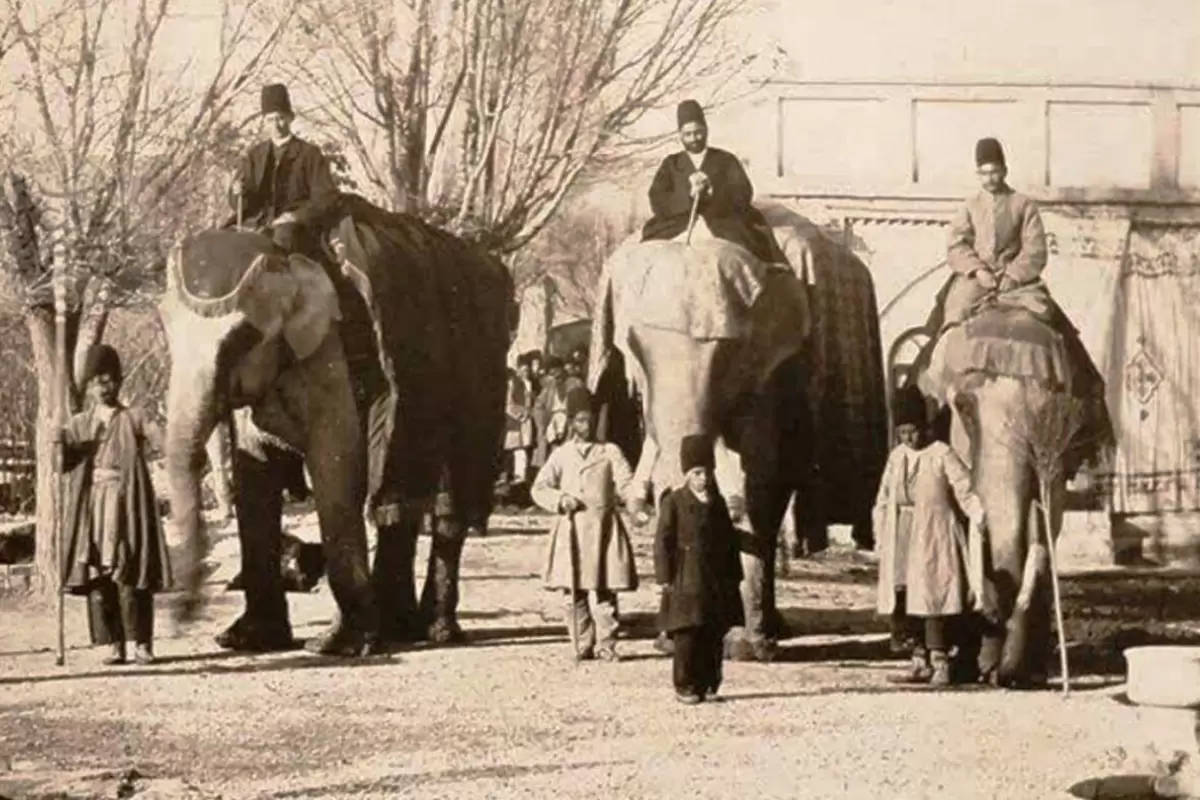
point(702, 290)
point(1003, 341)
point(213, 264)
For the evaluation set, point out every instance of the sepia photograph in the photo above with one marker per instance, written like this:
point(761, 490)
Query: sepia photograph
point(638, 399)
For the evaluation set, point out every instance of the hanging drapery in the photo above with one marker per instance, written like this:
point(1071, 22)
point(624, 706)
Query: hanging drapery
point(1154, 373)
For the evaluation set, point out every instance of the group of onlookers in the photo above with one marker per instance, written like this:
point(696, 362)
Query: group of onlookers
point(537, 410)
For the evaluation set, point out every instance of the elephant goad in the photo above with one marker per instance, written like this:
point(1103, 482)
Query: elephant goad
point(1011, 376)
point(782, 366)
point(387, 374)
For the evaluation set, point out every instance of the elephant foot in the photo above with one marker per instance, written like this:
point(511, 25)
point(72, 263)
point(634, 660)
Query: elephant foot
point(248, 636)
point(743, 646)
point(445, 630)
point(344, 641)
point(403, 632)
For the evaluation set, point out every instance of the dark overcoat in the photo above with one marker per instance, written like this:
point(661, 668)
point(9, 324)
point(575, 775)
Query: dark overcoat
point(727, 209)
point(296, 179)
point(696, 556)
point(128, 545)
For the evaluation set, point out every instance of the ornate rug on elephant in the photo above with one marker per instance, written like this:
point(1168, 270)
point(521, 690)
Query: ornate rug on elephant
point(1009, 342)
point(421, 284)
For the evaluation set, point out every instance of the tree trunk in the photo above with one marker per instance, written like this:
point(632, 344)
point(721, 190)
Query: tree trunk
point(40, 323)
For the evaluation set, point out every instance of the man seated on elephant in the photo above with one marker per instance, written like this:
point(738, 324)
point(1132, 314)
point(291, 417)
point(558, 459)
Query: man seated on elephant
point(284, 183)
point(996, 252)
point(724, 190)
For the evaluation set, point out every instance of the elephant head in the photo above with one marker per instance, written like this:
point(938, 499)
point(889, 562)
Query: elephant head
point(1023, 423)
point(244, 326)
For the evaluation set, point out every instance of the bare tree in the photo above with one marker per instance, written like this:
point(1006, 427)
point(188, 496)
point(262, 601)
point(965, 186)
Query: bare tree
point(572, 249)
point(483, 114)
point(111, 158)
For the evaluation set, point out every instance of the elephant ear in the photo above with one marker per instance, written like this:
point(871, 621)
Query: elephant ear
point(297, 302)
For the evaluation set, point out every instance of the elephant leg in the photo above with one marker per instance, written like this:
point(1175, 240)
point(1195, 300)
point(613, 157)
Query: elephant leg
point(1027, 649)
point(439, 597)
point(394, 578)
point(264, 626)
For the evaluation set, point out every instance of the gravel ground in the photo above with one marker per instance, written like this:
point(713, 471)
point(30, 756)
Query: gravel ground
point(509, 715)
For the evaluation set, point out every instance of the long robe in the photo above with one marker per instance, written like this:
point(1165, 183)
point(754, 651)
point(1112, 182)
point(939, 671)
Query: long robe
point(1003, 234)
point(727, 209)
point(597, 474)
point(112, 523)
point(943, 571)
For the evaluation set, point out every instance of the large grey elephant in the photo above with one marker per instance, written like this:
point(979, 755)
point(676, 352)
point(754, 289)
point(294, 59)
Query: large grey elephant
point(388, 376)
point(782, 367)
point(1006, 375)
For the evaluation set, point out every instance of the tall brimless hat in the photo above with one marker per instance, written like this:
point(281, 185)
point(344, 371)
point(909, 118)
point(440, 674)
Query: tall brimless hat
point(689, 111)
point(101, 360)
point(275, 98)
point(578, 400)
point(696, 450)
point(989, 151)
point(908, 407)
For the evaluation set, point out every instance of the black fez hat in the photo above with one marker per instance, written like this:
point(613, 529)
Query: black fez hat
point(275, 98)
point(578, 400)
point(908, 407)
point(989, 151)
point(696, 450)
point(101, 360)
point(689, 111)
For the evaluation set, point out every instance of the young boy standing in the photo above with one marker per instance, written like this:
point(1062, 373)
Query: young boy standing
point(698, 568)
point(924, 552)
point(582, 482)
point(114, 552)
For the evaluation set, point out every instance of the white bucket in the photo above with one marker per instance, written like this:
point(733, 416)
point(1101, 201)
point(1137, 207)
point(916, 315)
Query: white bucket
point(1164, 675)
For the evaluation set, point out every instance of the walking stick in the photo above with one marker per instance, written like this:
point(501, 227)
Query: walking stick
point(692, 217)
point(572, 618)
point(60, 408)
point(1058, 612)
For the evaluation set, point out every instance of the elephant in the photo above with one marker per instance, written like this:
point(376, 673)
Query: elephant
point(782, 367)
point(387, 373)
point(1010, 381)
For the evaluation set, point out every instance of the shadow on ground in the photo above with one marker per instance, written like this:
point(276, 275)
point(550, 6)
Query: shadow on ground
point(409, 781)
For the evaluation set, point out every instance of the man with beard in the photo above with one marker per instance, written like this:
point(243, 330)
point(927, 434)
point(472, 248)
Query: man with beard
point(724, 190)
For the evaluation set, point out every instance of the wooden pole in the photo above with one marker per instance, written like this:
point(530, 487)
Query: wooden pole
point(1054, 584)
point(61, 383)
point(692, 218)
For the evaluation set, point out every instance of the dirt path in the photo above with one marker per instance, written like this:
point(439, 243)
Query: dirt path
point(510, 715)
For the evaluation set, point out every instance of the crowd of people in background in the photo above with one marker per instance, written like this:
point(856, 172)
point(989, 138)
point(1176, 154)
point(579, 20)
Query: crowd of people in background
point(537, 414)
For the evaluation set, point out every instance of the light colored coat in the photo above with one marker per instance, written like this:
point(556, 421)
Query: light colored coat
point(597, 474)
point(942, 572)
point(1001, 233)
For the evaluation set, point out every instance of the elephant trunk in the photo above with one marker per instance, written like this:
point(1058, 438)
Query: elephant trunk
point(191, 418)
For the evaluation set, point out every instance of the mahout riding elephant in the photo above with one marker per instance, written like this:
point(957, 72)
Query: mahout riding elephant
point(388, 374)
point(1004, 375)
point(781, 366)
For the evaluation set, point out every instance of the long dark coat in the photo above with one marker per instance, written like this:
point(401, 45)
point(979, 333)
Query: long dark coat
point(728, 209)
point(696, 556)
point(295, 179)
point(127, 544)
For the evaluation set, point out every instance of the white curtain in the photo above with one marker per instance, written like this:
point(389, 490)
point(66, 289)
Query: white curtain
point(1153, 372)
